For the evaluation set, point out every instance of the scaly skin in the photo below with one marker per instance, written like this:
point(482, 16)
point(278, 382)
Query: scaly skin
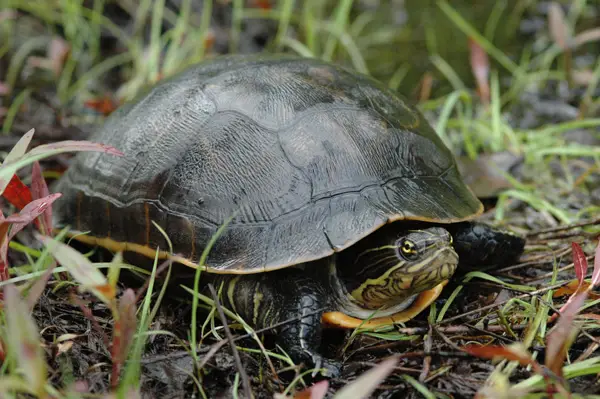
point(305, 292)
point(270, 298)
point(478, 245)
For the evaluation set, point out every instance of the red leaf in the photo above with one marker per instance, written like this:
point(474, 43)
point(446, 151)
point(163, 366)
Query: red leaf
point(262, 4)
point(572, 287)
point(39, 189)
point(209, 41)
point(512, 353)
point(480, 65)
point(105, 105)
point(4, 89)
point(596, 273)
point(15, 153)
point(17, 193)
point(30, 212)
point(4, 275)
point(581, 266)
point(495, 351)
point(580, 262)
point(123, 333)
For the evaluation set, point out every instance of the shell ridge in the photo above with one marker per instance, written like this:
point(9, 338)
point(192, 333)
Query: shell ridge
point(297, 167)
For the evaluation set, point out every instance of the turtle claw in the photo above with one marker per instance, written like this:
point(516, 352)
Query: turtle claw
point(328, 368)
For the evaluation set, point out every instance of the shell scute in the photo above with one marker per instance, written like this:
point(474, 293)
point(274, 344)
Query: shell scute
point(306, 156)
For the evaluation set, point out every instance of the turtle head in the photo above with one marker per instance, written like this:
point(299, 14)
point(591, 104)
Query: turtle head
point(392, 267)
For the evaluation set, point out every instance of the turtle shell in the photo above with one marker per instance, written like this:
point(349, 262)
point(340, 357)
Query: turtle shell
point(300, 158)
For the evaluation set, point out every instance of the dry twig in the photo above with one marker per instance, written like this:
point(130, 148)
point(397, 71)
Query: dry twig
point(236, 355)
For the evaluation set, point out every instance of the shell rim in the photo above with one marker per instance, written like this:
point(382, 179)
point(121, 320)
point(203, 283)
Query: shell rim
point(148, 252)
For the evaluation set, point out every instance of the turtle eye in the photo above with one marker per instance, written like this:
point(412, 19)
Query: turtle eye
point(408, 249)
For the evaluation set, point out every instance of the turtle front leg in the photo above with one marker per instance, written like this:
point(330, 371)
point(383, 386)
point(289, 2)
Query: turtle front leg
point(479, 244)
point(290, 302)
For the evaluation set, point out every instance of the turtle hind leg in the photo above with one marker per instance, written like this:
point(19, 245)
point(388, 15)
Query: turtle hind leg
point(290, 302)
point(301, 338)
point(480, 245)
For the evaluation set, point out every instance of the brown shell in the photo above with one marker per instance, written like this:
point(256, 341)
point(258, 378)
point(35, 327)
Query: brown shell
point(305, 157)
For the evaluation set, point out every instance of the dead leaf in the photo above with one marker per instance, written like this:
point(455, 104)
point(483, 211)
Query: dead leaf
point(81, 269)
point(562, 335)
point(63, 347)
point(591, 316)
point(126, 326)
point(596, 272)
point(515, 352)
point(590, 35)
point(8, 14)
point(58, 50)
point(104, 105)
point(4, 89)
point(485, 175)
point(315, 391)
point(37, 289)
point(364, 385)
point(426, 87)
point(480, 66)
point(571, 288)
point(557, 24)
point(582, 77)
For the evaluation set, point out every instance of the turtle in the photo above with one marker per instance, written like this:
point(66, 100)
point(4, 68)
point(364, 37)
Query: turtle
point(329, 199)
